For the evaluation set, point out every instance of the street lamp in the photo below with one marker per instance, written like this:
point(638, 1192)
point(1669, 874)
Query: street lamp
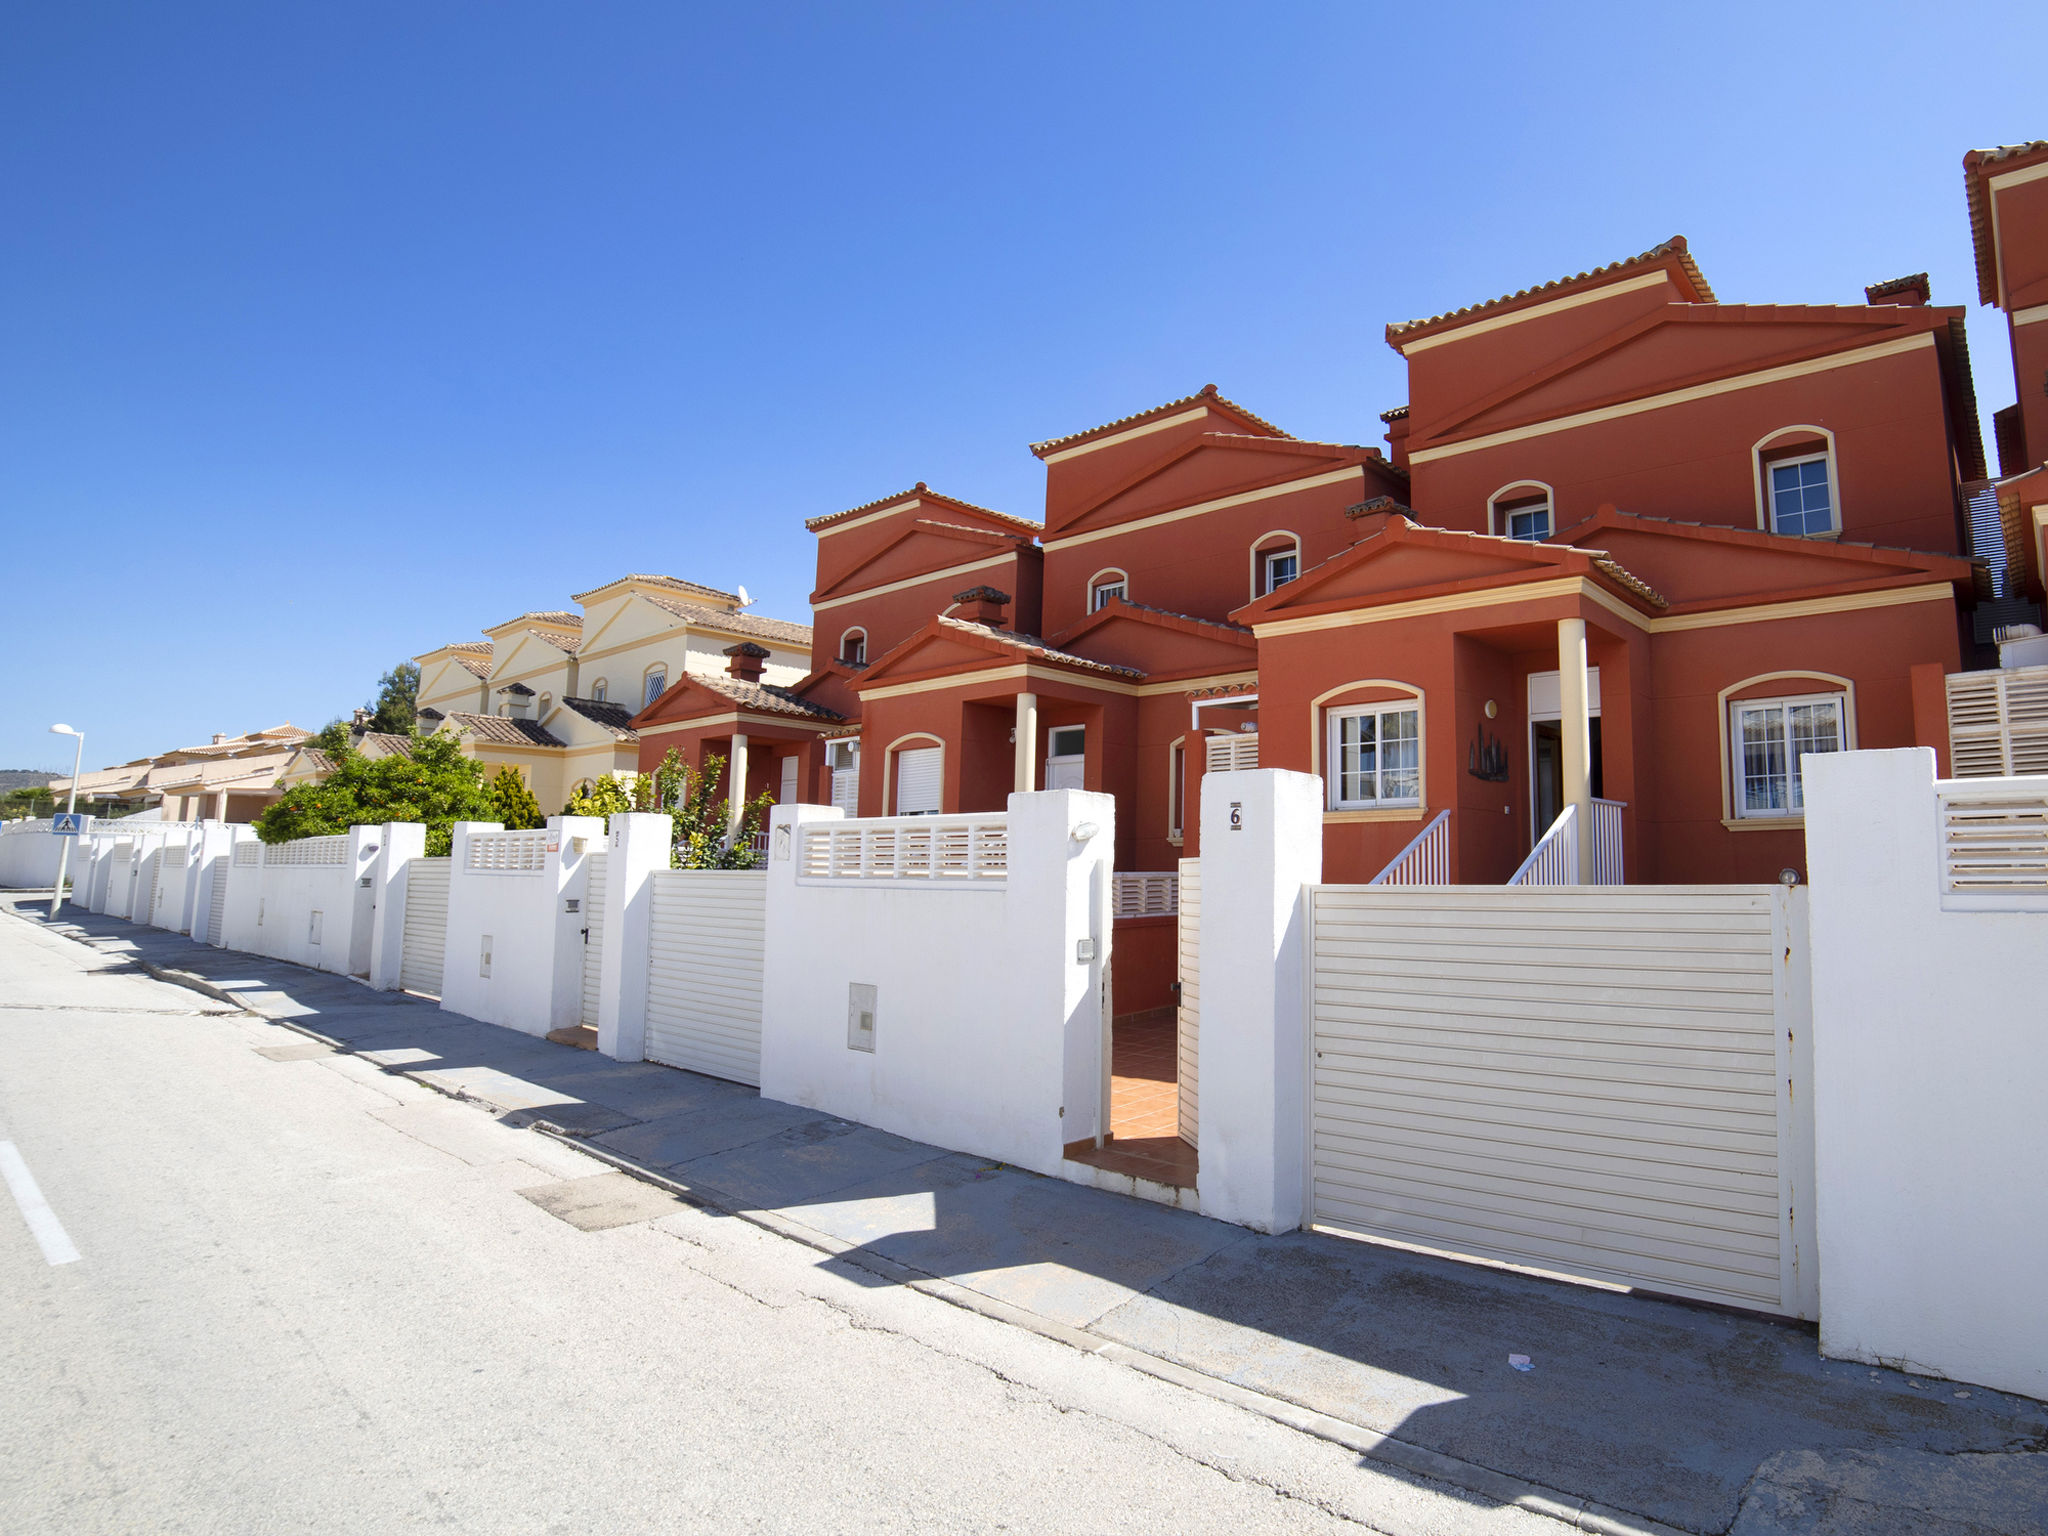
point(71, 806)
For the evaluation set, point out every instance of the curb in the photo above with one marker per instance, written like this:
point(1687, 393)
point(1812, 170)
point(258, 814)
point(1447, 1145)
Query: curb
point(1500, 1487)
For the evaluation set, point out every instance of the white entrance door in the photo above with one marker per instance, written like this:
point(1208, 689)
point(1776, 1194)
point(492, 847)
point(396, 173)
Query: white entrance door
point(787, 794)
point(844, 756)
point(918, 775)
point(1066, 757)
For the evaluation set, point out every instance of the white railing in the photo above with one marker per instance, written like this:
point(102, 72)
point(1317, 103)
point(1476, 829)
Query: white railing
point(1607, 842)
point(307, 850)
point(1230, 754)
point(1994, 841)
point(248, 853)
point(507, 853)
point(1425, 861)
point(1555, 858)
point(935, 850)
point(1144, 893)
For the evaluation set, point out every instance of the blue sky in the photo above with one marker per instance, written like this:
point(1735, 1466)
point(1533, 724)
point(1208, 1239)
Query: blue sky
point(331, 334)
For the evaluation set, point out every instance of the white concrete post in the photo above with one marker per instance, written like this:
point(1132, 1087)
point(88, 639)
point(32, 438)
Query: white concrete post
point(1575, 726)
point(1027, 743)
point(735, 787)
point(365, 845)
point(1262, 842)
point(637, 848)
point(399, 843)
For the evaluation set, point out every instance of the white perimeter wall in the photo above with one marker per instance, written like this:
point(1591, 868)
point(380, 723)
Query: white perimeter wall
point(270, 908)
point(28, 855)
point(536, 944)
point(1930, 1080)
point(987, 1025)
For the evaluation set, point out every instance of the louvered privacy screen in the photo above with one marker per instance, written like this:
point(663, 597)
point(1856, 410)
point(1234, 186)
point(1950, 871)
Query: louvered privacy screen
point(248, 853)
point(1228, 754)
point(306, 850)
point(1144, 893)
point(1998, 722)
point(508, 853)
point(1994, 846)
point(967, 850)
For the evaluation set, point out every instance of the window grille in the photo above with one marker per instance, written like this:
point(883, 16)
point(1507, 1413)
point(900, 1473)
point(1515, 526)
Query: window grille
point(1994, 845)
point(935, 850)
point(306, 850)
point(507, 853)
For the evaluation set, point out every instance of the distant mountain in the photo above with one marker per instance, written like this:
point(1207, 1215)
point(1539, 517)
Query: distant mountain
point(20, 778)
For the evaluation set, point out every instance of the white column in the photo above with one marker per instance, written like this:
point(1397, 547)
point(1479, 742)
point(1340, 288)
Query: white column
point(399, 844)
point(1262, 842)
point(1575, 726)
point(736, 786)
point(1027, 743)
point(637, 848)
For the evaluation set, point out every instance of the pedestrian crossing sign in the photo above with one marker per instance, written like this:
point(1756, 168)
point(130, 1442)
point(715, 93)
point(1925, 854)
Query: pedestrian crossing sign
point(67, 823)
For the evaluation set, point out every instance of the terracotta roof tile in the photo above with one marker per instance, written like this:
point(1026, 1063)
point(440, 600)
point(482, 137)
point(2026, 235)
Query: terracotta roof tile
point(499, 728)
point(737, 623)
point(1656, 254)
point(615, 718)
point(763, 697)
point(475, 666)
point(920, 490)
point(675, 582)
point(390, 743)
point(1032, 645)
point(1206, 395)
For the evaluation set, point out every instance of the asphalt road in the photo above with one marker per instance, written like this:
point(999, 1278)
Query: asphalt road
point(309, 1297)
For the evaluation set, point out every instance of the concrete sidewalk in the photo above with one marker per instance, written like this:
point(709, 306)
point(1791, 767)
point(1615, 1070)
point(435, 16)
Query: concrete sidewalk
point(1636, 1415)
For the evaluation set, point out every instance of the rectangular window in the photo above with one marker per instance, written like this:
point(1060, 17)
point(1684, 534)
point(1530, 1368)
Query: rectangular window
point(1281, 568)
point(1770, 737)
point(1802, 503)
point(1375, 757)
point(657, 684)
point(1531, 523)
point(1066, 741)
point(1104, 591)
point(844, 757)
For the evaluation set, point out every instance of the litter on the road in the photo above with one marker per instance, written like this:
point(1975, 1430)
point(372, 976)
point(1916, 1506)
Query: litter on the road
point(1521, 1362)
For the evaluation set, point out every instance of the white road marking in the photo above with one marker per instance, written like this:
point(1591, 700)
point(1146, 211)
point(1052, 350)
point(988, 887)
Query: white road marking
point(49, 1232)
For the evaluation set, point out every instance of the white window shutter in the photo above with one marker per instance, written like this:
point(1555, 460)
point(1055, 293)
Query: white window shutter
point(918, 780)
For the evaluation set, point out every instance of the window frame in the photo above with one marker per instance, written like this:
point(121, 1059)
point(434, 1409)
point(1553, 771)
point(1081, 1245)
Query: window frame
point(1275, 544)
point(892, 766)
point(648, 692)
point(1761, 467)
point(599, 689)
point(857, 661)
point(1334, 717)
point(1176, 789)
point(1499, 513)
point(1108, 576)
point(1806, 687)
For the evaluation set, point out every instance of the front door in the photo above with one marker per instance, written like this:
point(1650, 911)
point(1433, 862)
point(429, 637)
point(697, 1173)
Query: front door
point(1546, 771)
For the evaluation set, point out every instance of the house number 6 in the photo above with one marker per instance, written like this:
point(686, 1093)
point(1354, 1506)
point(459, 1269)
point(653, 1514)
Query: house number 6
point(1237, 815)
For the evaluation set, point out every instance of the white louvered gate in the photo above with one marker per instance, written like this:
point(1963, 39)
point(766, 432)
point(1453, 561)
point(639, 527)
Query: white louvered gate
point(1998, 722)
point(121, 883)
point(426, 925)
point(217, 907)
point(145, 887)
point(1189, 1014)
point(1607, 1082)
point(170, 885)
point(704, 958)
point(593, 935)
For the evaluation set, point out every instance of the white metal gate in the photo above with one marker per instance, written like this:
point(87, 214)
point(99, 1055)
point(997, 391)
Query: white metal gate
point(145, 888)
point(1190, 1011)
point(217, 906)
point(704, 971)
point(1608, 1082)
point(593, 935)
point(170, 886)
point(121, 882)
point(426, 925)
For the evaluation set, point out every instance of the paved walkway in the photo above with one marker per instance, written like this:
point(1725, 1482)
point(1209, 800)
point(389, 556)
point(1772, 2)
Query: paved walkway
point(1636, 1414)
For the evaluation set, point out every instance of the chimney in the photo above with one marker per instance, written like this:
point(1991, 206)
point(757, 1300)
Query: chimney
point(981, 605)
point(1900, 290)
point(747, 657)
point(219, 737)
point(1397, 435)
point(362, 717)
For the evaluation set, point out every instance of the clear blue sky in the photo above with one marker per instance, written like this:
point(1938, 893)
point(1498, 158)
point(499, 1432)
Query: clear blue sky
point(331, 334)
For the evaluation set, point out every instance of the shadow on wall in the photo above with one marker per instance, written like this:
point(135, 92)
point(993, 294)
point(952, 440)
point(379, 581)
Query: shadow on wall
point(1662, 1409)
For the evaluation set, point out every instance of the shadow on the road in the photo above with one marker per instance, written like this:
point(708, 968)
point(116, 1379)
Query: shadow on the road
point(1644, 1405)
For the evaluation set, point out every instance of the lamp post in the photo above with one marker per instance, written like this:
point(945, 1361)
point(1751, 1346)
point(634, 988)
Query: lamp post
point(71, 805)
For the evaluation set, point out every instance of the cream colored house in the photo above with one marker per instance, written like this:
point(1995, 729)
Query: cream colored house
point(553, 693)
point(230, 778)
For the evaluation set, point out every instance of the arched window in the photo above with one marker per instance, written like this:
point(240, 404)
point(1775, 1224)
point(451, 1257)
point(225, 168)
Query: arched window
point(1523, 510)
point(853, 647)
point(1276, 560)
point(1104, 585)
point(655, 685)
point(1796, 490)
point(598, 690)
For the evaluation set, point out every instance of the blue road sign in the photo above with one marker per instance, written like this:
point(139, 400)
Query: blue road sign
point(67, 823)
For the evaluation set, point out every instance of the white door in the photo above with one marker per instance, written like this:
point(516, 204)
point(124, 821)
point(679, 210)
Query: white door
point(845, 760)
point(787, 794)
point(426, 925)
point(593, 935)
point(217, 906)
point(704, 957)
point(1602, 1081)
point(1066, 757)
point(1190, 1011)
point(918, 774)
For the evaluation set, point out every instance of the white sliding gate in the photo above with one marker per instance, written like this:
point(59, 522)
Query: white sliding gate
point(426, 925)
point(1189, 1020)
point(593, 935)
point(1607, 1082)
point(704, 972)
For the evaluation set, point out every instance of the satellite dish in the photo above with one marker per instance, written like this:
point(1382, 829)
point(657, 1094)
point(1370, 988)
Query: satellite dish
point(745, 601)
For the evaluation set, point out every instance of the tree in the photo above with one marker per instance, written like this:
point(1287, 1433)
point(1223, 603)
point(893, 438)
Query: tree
point(606, 798)
point(692, 798)
point(437, 785)
point(397, 706)
point(513, 802)
point(27, 800)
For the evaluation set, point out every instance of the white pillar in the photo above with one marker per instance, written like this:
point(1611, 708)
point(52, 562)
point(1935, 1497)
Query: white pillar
point(637, 847)
point(1027, 743)
point(736, 786)
point(399, 844)
point(1575, 726)
point(1262, 841)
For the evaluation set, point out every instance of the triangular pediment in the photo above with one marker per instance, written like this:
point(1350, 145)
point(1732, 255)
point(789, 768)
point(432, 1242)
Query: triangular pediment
point(1210, 467)
point(684, 699)
point(931, 651)
point(925, 547)
point(1159, 644)
point(1674, 348)
point(1405, 560)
